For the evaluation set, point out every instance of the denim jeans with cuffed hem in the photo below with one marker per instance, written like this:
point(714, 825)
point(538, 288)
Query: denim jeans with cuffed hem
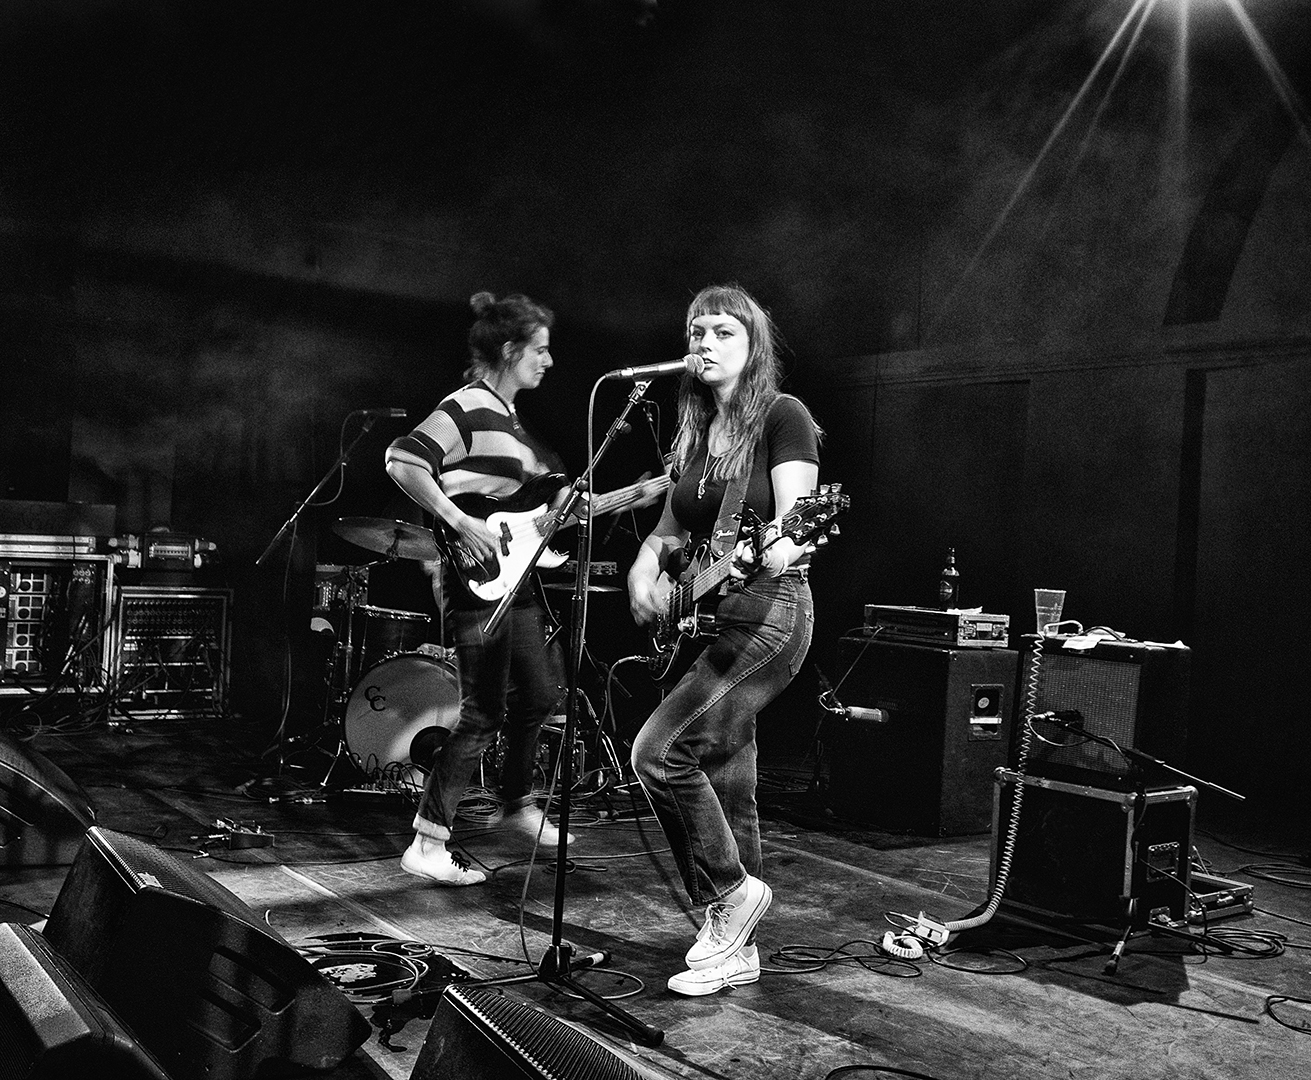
point(510, 678)
point(696, 755)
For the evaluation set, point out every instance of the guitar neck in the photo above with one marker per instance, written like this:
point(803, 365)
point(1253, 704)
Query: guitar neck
point(621, 497)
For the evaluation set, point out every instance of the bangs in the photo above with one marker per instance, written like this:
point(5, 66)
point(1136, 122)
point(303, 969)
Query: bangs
point(724, 300)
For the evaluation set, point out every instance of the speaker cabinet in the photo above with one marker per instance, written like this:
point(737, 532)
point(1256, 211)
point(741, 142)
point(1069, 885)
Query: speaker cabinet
point(43, 813)
point(1091, 855)
point(1132, 692)
point(53, 1026)
point(929, 725)
point(201, 981)
point(478, 1033)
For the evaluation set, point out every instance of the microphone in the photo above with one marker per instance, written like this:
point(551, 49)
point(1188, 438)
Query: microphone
point(691, 362)
point(398, 414)
point(872, 716)
point(1062, 717)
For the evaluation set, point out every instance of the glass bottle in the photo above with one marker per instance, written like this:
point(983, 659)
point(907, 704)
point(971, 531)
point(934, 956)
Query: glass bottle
point(949, 583)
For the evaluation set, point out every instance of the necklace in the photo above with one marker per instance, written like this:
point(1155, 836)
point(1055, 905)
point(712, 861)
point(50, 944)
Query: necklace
point(705, 475)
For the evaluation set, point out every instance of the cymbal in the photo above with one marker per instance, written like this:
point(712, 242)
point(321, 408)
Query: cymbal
point(399, 539)
point(564, 586)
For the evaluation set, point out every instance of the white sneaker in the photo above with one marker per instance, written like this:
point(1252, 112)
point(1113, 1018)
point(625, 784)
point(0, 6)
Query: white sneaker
point(527, 820)
point(741, 968)
point(728, 925)
point(428, 858)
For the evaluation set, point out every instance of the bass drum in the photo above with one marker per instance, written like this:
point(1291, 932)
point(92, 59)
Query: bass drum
point(399, 715)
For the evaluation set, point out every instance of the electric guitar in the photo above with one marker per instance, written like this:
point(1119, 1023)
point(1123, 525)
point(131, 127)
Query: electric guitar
point(811, 518)
point(519, 522)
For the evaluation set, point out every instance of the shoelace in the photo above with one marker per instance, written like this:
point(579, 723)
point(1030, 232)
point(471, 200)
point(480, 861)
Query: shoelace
point(717, 916)
point(462, 861)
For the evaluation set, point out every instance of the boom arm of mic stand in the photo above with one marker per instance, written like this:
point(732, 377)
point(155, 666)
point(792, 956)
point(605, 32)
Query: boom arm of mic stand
point(1138, 755)
point(286, 525)
point(1146, 759)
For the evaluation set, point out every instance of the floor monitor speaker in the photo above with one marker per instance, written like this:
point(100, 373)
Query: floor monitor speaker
point(478, 1033)
point(202, 981)
point(1134, 693)
point(926, 728)
point(43, 813)
point(53, 1026)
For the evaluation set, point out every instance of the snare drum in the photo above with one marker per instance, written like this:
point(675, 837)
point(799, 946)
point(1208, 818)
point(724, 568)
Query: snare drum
point(400, 714)
point(379, 632)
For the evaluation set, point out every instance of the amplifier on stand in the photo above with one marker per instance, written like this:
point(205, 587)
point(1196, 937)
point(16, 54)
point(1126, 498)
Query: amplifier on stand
point(171, 650)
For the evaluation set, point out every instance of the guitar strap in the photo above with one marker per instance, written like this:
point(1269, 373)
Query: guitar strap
point(724, 538)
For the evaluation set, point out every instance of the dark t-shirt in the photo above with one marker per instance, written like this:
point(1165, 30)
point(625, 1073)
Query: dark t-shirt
point(789, 435)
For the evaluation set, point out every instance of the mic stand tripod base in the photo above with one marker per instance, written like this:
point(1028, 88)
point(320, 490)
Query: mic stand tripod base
point(555, 968)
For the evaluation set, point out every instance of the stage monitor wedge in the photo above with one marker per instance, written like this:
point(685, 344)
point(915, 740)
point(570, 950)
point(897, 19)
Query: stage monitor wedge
point(212, 992)
point(44, 814)
point(480, 1033)
point(55, 1027)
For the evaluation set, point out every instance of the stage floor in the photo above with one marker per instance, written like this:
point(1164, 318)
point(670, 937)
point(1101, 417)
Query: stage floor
point(1016, 1002)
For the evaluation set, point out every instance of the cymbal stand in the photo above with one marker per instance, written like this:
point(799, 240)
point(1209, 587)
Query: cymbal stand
point(599, 744)
point(558, 963)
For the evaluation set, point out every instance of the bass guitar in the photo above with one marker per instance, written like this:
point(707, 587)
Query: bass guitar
point(811, 518)
point(519, 522)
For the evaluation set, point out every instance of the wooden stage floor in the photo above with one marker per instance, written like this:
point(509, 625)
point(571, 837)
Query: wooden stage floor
point(1020, 1002)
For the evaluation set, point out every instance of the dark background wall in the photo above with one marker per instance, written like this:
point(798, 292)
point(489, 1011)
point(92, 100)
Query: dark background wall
point(1041, 269)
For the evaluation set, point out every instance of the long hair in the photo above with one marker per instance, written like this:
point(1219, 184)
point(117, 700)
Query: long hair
point(512, 320)
point(756, 389)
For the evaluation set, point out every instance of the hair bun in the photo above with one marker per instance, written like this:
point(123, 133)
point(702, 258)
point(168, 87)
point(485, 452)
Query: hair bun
point(482, 303)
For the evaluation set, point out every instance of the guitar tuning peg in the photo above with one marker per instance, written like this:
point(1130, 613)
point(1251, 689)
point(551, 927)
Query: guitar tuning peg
point(835, 531)
point(834, 488)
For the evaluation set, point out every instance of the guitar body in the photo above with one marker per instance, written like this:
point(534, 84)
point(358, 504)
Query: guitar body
point(676, 639)
point(519, 522)
point(688, 616)
point(513, 519)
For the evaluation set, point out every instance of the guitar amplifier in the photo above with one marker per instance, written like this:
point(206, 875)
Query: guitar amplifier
point(928, 728)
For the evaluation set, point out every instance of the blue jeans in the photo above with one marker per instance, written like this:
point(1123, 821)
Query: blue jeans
point(696, 754)
point(511, 678)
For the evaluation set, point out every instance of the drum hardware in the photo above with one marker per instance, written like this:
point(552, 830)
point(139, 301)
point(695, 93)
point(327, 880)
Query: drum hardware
point(609, 771)
point(394, 539)
point(367, 637)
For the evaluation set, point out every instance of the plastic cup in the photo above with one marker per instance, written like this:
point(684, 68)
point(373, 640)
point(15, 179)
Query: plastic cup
point(1047, 606)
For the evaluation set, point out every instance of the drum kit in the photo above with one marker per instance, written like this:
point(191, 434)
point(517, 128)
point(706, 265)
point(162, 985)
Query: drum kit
point(393, 697)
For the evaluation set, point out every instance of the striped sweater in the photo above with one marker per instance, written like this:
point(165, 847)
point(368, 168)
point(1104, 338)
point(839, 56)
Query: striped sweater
point(473, 443)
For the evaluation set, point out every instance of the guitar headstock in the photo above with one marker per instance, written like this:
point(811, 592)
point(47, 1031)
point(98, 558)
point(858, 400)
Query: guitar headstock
point(813, 517)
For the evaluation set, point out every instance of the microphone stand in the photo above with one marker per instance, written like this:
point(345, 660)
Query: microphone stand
point(1138, 758)
point(369, 420)
point(558, 962)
